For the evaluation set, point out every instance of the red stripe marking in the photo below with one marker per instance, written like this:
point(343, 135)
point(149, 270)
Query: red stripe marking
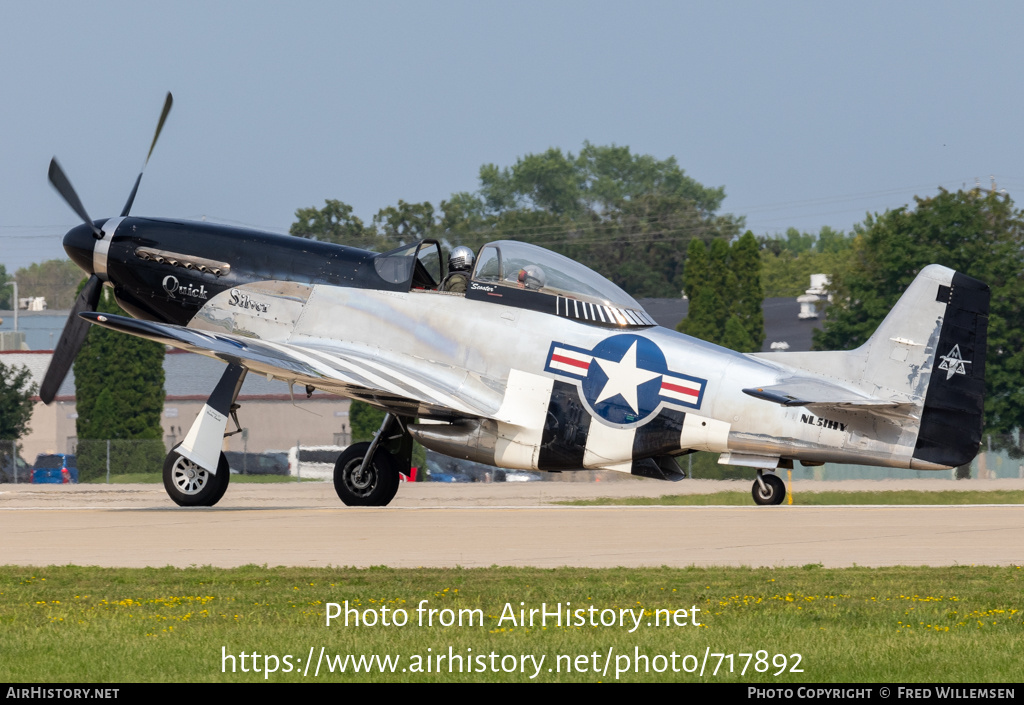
point(680, 390)
point(570, 361)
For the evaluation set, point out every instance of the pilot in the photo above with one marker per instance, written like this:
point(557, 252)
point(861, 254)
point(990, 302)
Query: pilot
point(460, 264)
point(532, 277)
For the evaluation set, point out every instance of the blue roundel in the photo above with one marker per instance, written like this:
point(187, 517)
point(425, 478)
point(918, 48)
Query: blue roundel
point(623, 384)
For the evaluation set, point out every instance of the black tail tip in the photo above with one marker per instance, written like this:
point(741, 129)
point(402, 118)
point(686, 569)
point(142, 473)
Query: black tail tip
point(953, 416)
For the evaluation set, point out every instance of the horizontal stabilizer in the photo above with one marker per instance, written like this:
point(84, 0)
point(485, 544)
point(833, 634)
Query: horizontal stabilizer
point(812, 392)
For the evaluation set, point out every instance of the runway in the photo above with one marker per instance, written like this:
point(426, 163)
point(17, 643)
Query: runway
point(483, 525)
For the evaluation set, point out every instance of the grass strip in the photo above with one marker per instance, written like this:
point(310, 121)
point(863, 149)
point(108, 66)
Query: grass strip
point(896, 625)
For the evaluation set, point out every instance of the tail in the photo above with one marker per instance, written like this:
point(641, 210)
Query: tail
point(927, 358)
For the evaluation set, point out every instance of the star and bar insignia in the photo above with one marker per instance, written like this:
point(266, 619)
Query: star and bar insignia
point(625, 379)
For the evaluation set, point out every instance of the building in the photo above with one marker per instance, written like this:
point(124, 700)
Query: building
point(782, 321)
point(268, 410)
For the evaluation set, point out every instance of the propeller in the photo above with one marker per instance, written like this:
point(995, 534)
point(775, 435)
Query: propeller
point(159, 126)
point(76, 328)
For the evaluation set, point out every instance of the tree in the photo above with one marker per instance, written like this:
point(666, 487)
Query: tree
point(712, 284)
point(599, 178)
point(335, 223)
point(16, 391)
point(704, 317)
point(630, 217)
point(546, 182)
point(787, 264)
point(6, 291)
point(56, 279)
point(748, 305)
point(404, 223)
point(119, 390)
point(736, 337)
point(725, 294)
point(695, 275)
point(364, 419)
point(975, 232)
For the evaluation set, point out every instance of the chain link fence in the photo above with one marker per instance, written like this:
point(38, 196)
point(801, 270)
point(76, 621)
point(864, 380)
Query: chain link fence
point(106, 460)
point(143, 461)
point(13, 467)
point(99, 460)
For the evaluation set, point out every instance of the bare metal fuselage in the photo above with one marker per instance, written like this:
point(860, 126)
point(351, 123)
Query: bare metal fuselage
point(418, 342)
point(553, 383)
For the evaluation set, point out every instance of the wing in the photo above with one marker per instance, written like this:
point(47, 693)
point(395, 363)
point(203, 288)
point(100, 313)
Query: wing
point(409, 387)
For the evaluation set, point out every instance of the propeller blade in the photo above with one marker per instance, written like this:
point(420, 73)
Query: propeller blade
point(159, 126)
point(71, 339)
point(131, 196)
point(67, 191)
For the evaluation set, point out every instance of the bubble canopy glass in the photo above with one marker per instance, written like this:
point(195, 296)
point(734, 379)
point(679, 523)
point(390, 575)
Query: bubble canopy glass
point(502, 262)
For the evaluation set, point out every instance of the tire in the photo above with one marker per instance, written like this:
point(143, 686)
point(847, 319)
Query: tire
point(774, 491)
point(379, 486)
point(189, 485)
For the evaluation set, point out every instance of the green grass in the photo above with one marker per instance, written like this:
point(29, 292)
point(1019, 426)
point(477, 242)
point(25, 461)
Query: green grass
point(152, 478)
point(820, 498)
point(888, 625)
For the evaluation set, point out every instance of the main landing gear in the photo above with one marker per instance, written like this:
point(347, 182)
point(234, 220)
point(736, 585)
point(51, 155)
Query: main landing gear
point(196, 473)
point(366, 474)
point(768, 489)
point(365, 484)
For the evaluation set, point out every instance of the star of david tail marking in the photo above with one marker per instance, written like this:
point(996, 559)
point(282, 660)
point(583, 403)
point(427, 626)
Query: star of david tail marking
point(953, 363)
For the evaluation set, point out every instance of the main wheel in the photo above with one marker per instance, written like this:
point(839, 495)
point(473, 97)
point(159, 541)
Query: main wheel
point(192, 486)
point(774, 491)
point(374, 488)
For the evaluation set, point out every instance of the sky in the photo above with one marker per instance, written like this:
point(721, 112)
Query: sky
point(807, 113)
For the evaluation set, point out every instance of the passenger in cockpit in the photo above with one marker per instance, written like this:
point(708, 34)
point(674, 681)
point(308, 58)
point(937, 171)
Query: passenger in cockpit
point(532, 277)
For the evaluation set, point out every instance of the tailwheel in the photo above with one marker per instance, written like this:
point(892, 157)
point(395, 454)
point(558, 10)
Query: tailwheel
point(768, 489)
point(372, 486)
point(190, 485)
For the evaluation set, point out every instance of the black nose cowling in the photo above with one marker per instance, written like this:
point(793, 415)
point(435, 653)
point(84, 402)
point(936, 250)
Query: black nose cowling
point(79, 243)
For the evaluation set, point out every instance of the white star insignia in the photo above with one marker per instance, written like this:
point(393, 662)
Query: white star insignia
point(952, 363)
point(624, 377)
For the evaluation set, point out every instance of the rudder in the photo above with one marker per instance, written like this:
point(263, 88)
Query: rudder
point(952, 418)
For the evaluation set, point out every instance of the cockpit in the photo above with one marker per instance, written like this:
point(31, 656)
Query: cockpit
point(521, 275)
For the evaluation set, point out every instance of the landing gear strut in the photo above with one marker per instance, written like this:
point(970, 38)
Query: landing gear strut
point(366, 474)
point(768, 489)
point(196, 473)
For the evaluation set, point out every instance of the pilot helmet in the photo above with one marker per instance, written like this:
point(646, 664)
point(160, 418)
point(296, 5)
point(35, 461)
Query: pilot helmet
point(461, 259)
point(532, 277)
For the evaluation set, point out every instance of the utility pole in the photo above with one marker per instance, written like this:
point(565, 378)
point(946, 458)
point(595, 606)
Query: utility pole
point(15, 285)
